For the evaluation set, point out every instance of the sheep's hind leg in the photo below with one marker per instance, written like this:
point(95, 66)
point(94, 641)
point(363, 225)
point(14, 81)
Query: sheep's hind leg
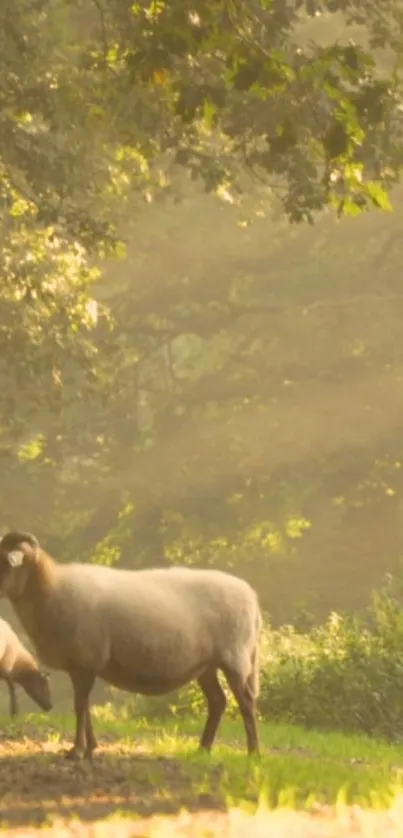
point(13, 697)
point(246, 701)
point(216, 703)
point(92, 743)
point(83, 683)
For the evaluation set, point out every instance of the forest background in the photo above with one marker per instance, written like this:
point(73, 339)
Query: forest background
point(201, 353)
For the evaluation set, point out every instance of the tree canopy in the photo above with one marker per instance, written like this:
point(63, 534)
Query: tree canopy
point(93, 93)
point(165, 367)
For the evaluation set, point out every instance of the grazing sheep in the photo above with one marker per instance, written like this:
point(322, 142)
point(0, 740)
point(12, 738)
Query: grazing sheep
point(146, 631)
point(18, 666)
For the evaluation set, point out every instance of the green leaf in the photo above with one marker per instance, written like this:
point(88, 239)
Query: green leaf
point(379, 196)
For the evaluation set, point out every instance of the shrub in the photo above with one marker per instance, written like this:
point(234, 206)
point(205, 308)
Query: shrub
point(346, 674)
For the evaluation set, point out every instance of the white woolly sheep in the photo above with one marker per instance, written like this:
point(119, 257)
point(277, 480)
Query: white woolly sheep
point(18, 666)
point(145, 631)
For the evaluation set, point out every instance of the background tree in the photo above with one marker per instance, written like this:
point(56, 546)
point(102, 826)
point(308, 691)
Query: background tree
point(228, 390)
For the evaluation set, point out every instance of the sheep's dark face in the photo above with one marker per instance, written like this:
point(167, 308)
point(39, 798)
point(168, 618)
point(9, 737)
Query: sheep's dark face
point(37, 685)
point(17, 550)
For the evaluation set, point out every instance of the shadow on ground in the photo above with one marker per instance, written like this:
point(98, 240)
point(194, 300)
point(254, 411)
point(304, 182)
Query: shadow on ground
point(38, 784)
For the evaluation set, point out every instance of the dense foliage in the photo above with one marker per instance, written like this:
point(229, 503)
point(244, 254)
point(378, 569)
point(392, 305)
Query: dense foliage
point(346, 674)
point(176, 387)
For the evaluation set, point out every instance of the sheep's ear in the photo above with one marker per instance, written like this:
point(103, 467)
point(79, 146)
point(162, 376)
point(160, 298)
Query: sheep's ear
point(15, 558)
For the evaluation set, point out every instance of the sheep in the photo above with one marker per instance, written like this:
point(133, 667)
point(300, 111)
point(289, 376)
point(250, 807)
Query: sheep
point(18, 666)
point(147, 631)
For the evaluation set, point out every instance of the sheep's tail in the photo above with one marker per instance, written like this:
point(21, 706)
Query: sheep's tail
point(254, 675)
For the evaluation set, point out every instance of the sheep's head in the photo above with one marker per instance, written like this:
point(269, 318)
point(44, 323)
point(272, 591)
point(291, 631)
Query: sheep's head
point(18, 550)
point(37, 685)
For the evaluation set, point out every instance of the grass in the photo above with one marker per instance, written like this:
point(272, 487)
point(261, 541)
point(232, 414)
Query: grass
point(148, 768)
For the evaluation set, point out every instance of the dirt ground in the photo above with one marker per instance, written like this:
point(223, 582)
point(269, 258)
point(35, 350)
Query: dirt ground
point(235, 824)
point(37, 784)
point(43, 794)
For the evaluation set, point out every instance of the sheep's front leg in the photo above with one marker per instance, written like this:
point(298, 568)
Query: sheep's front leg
point(13, 697)
point(84, 741)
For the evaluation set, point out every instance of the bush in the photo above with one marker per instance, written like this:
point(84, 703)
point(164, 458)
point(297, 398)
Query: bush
point(346, 674)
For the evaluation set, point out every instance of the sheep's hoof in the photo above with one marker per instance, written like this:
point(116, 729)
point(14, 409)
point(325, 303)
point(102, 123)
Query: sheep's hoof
point(73, 754)
point(204, 749)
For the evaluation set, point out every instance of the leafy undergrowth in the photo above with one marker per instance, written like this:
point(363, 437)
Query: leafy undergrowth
point(144, 772)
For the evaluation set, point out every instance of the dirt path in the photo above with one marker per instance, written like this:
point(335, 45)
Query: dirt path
point(38, 787)
point(353, 823)
point(37, 784)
